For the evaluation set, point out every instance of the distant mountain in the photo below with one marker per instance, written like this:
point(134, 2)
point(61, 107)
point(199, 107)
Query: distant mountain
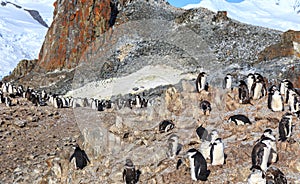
point(23, 26)
point(275, 14)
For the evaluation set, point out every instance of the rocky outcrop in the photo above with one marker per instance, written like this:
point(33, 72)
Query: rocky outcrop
point(289, 46)
point(36, 15)
point(76, 24)
point(23, 68)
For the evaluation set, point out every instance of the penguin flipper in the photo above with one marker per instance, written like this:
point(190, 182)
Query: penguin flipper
point(72, 156)
point(179, 162)
point(85, 156)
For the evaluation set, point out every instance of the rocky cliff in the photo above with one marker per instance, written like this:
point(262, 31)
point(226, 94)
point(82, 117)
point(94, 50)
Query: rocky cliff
point(81, 27)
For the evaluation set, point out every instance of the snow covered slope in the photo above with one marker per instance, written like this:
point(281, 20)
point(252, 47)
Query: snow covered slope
point(275, 14)
point(21, 36)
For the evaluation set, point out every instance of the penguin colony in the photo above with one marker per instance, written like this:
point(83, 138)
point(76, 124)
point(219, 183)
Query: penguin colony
point(41, 98)
point(264, 152)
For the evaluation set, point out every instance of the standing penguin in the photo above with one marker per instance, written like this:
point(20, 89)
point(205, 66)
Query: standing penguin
point(268, 133)
point(206, 144)
point(275, 101)
point(129, 173)
point(293, 100)
point(198, 165)
point(166, 125)
point(257, 89)
point(201, 82)
point(284, 86)
point(217, 155)
point(202, 133)
point(285, 127)
point(275, 176)
point(205, 107)
point(257, 176)
point(227, 82)
point(243, 93)
point(2, 100)
point(250, 80)
point(7, 101)
point(261, 153)
point(173, 146)
point(80, 157)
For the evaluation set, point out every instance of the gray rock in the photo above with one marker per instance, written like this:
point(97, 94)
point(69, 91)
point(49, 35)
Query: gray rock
point(20, 123)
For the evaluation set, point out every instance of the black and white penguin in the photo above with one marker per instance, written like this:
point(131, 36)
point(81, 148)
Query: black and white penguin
point(129, 173)
point(80, 157)
point(284, 86)
point(257, 89)
point(239, 119)
point(94, 104)
point(293, 100)
point(101, 105)
point(205, 107)
point(227, 84)
point(243, 93)
point(275, 176)
point(44, 95)
point(108, 104)
point(257, 176)
point(206, 144)
point(10, 89)
point(202, 134)
point(201, 83)
point(268, 133)
point(65, 102)
point(217, 156)
point(198, 165)
point(285, 127)
point(8, 102)
point(58, 102)
point(261, 153)
point(137, 101)
point(2, 100)
point(5, 87)
point(166, 125)
point(173, 146)
point(20, 91)
point(275, 101)
point(250, 80)
point(144, 103)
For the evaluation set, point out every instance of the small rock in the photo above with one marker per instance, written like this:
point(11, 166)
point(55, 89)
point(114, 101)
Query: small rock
point(20, 123)
point(135, 89)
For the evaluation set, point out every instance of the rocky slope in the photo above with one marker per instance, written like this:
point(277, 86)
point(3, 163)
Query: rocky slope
point(36, 141)
point(205, 41)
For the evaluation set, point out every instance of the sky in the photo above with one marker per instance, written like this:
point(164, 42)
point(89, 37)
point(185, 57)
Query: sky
point(181, 3)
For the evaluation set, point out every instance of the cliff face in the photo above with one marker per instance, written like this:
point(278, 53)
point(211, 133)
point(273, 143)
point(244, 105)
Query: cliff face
point(289, 46)
point(76, 24)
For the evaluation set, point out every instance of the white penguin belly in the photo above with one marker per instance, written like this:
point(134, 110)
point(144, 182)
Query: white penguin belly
point(218, 155)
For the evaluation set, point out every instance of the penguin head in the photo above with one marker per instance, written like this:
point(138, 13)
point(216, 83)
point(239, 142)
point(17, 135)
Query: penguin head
point(256, 170)
point(242, 82)
point(272, 89)
point(250, 76)
point(269, 134)
point(214, 135)
point(288, 116)
point(266, 141)
point(192, 152)
point(128, 162)
point(76, 146)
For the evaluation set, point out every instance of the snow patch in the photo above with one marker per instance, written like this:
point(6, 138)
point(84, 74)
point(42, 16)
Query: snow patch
point(275, 14)
point(145, 78)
